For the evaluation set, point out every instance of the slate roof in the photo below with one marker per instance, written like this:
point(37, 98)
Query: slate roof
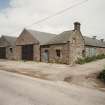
point(65, 36)
point(93, 42)
point(61, 38)
point(42, 37)
point(11, 40)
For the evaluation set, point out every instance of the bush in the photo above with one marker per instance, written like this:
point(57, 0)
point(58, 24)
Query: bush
point(80, 61)
point(100, 56)
point(101, 76)
point(90, 59)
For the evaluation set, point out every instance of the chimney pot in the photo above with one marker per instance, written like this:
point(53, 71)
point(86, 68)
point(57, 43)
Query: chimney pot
point(77, 26)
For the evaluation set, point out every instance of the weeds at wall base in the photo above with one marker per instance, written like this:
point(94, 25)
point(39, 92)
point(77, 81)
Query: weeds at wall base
point(89, 59)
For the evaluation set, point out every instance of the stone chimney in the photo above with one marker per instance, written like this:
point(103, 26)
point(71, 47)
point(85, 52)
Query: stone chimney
point(77, 26)
point(102, 40)
point(94, 37)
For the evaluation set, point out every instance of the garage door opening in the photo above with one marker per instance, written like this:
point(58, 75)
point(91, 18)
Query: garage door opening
point(2, 52)
point(27, 52)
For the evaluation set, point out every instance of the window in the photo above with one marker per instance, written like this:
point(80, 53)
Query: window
point(58, 53)
point(11, 50)
point(93, 51)
point(90, 51)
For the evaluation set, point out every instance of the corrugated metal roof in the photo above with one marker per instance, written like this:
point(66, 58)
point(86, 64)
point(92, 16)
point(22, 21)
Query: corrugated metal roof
point(42, 37)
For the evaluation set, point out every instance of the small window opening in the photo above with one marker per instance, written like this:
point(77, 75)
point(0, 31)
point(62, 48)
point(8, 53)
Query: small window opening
point(58, 53)
point(11, 50)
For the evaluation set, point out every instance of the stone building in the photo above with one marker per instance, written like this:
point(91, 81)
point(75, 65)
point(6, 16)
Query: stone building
point(28, 44)
point(70, 45)
point(94, 46)
point(65, 47)
point(45, 47)
point(7, 47)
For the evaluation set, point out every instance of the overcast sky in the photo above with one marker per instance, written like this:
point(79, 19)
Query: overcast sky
point(15, 15)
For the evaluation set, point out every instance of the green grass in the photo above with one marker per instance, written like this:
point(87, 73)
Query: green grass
point(90, 59)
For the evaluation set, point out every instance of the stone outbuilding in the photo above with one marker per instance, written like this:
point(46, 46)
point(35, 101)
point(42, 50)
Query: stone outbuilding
point(7, 47)
point(93, 46)
point(28, 44)
point(68, 46)
point(64, 48)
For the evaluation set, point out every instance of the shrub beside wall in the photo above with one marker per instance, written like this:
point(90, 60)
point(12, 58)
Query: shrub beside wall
point(89, 59)
point(102, 76)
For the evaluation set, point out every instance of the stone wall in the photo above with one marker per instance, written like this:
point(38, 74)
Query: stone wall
point(10, 52)
point(53, 58)
point(70, 51)
point(100, 51)
point(27, 39)
point(18, 53)
point(76, 47)
point(36, 55)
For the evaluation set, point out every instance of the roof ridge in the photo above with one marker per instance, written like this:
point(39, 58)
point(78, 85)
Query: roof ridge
point(39, 31)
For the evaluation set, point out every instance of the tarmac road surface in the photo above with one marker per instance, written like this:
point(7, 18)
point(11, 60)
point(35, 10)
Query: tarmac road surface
point(22, 90)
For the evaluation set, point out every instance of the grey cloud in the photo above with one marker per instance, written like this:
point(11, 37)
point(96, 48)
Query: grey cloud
point(23, 12)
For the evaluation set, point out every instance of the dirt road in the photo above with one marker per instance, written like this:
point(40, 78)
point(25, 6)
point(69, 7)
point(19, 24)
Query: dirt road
point(84, 75)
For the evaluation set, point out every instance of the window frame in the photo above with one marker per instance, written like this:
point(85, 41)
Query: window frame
point(58, 53)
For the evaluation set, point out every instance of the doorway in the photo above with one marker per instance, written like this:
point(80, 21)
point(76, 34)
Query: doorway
point(2, 52)
point(46, 56)
point(27, 52)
